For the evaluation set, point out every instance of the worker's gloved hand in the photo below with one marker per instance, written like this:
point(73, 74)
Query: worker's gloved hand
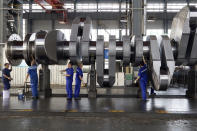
point(135, 81)
point(10, 78)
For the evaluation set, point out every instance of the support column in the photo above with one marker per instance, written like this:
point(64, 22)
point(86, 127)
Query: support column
point(3, 28)
point(19, 20)
point(165, 18)
point(120, 26)
point(192, 83)
point(45, 81)
point(97, 21)
point(92, 92)
point(137, 17)
point(30, 21)
point(188, 1)
point(127, 21)
point(75, 7)
point(53, 24)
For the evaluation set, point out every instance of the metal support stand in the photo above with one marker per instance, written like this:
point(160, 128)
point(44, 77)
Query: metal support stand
point(44, 82)
point(192, 84)
point(40, 80)
point(92, 92)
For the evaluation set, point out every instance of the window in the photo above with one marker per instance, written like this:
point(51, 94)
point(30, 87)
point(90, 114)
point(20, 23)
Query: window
point(155, 7)
point(157, 32)
point(94, 34)
point(107, 32)
point(171, 7)
point(124, 32)
point(193, 4)
point(25, 8)
point(67, 33)
point(89, 7)
point(175, 7)
point(69, 7)
point(108, 7)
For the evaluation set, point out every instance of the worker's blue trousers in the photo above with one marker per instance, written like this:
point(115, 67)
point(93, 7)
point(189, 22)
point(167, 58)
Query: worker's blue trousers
point(143, 89)
point(34, 89)
point(77, 88)
point(69, 88)
point(6, 85)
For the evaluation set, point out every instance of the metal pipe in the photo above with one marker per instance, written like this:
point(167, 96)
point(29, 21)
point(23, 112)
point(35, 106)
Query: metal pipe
point(92, 50)
point(119, 50)
point(15, 50)
point(63, 50)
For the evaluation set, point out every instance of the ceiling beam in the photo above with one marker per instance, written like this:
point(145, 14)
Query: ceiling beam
point(116, 1)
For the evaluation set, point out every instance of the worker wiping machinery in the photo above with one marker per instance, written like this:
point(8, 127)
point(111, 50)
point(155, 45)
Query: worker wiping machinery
point(78, 80)
point(69, 80)
point(143, 79)
point(6, 76)
point(32, 72)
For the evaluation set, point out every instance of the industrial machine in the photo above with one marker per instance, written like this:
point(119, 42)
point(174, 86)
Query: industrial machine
point(50, 48)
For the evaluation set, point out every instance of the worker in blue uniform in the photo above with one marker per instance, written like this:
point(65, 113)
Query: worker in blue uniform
point(32, 72)
point(6, 76)
point(78, 80)
point(142, 77)
point(69, 80)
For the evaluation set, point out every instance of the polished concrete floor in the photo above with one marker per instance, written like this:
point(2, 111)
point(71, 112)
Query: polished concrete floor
point(101, 114)
point(133, 105)
point(95, 124)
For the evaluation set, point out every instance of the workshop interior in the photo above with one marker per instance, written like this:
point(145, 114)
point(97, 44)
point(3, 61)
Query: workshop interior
point(113, 39)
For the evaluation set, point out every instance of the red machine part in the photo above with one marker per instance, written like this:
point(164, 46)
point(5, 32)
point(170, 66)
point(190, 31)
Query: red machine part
point(56, 4)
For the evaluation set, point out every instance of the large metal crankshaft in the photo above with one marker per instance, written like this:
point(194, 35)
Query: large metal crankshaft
point(51, 48)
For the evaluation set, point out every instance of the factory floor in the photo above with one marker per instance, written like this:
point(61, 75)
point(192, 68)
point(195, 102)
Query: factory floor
point(168, 111)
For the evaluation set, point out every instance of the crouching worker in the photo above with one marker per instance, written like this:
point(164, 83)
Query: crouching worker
point(78, 79)
point(6, 76)
point(32, 72)
point(142, 77)
point(69, 80)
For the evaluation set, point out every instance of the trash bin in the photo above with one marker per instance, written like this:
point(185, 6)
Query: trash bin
point(20, 94)
point(128, 79)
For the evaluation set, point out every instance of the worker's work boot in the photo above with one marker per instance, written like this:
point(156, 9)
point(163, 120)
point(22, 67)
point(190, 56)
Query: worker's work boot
point(77, 98)
point(69, 99)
